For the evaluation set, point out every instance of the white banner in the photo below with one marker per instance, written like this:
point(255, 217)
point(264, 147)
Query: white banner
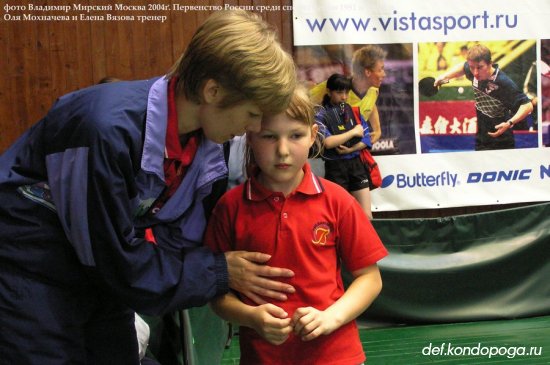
point(427, 150)
point(399, 21)
point(434, 181)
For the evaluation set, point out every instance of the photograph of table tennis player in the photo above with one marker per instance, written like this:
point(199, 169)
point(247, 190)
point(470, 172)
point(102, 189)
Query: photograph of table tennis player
point(395, 102)
point(458, 107)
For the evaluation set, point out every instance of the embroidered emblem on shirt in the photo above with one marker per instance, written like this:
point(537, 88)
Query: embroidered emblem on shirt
point(490, 87)
point(321, 231)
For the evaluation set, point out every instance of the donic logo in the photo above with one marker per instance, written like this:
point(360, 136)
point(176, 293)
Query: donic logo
point(493, 176)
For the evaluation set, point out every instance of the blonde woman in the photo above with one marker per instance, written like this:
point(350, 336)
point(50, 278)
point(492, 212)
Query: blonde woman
point(105, 200)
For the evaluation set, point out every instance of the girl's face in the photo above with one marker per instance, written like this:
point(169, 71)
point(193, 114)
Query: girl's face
point(280, 150)
point(376, 74)
point(338, 96)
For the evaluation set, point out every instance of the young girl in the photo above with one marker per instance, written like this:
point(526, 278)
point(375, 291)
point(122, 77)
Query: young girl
point(309, 225)
point(344, 139)
point(367, 69)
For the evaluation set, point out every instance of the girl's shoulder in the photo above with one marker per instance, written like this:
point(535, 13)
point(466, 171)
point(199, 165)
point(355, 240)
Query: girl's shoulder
point(232, 196)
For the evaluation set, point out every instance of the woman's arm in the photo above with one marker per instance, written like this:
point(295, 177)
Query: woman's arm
point(247, 272)
point(249, 275)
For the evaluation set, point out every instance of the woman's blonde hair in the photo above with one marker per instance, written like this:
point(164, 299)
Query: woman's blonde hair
point(302, 109)
point(241, 52)
point(366, 58)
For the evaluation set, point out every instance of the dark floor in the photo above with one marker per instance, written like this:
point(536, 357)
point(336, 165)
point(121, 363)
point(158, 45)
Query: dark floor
point(520, 341)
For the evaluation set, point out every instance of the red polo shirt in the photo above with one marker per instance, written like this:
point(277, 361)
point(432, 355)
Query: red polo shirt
point(311, 231)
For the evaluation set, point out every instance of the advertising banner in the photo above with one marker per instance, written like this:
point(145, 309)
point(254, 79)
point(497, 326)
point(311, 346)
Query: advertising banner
point(480, 136)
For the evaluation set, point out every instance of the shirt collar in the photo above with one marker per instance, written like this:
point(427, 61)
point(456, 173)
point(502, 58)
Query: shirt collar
point(495, 73)
point(310, 185)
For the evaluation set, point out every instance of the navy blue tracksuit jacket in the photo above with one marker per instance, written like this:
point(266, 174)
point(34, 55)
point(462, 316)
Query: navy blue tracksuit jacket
point(75, 193)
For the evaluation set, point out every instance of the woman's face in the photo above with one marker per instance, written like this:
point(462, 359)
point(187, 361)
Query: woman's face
point(221, 124)
point(376, 74)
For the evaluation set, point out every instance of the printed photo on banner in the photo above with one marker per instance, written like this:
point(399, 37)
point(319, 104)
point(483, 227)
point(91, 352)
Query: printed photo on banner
point(545, 90)
point(477, 96)
point(473, 134)
point(395, 100)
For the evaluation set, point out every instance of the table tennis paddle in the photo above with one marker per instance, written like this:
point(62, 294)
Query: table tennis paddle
point(426, 86)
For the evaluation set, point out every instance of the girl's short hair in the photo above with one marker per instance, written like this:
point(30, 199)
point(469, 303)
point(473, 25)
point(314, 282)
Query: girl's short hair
point(338, 82)
point(242, 53)
point(301, 108)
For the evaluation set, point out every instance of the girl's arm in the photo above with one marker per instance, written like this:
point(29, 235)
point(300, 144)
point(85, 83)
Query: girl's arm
point(364, 143)
point(271, 322)
point(310, 323)
point(342, 149)
point(336, 140)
